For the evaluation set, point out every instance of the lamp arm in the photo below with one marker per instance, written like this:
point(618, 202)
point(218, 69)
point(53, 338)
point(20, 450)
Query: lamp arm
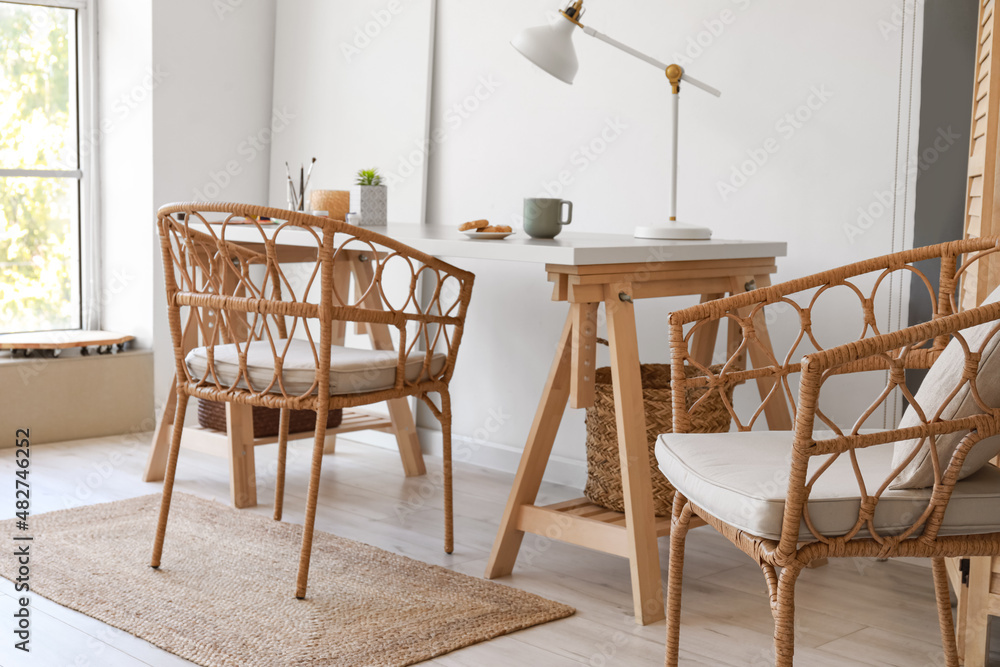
point(624, 47)
point(649, 59)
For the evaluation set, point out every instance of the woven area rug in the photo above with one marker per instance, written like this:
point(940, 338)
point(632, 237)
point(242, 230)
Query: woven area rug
point(224, 592)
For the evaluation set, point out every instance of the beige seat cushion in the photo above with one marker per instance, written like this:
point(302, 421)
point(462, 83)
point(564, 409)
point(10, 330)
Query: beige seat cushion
point(352, 371)
point(940, 381)
point(742, 479)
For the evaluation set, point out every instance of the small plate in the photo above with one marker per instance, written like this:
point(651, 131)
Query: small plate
point(486, 236)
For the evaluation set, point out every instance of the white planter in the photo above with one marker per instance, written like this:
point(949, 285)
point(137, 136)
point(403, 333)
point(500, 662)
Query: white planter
point(372, 203)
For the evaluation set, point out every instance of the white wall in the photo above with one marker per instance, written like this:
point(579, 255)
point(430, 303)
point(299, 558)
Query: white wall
point(212, 119)
point(127, 82)
point(502, 130)
point(355, 78)
point(515, 136)
point(185, 106)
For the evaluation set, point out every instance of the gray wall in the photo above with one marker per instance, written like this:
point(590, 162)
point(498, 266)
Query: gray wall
point(945, 113)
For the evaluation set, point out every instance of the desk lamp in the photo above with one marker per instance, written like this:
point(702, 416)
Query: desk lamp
point(550, 47)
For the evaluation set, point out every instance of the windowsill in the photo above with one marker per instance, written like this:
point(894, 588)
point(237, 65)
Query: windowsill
point(6, 358)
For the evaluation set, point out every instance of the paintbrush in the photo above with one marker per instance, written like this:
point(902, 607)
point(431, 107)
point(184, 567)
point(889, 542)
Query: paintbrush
point(310, 172)
point(291, 187)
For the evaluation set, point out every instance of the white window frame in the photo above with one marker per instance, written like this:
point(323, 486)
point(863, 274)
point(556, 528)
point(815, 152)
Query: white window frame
point(87, 170)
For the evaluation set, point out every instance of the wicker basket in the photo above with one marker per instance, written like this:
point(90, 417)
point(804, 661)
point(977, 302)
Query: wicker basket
point(266, 421)
point(604, 476)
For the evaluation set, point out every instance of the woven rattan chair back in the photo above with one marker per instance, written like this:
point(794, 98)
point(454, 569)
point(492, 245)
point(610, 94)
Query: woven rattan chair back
point(241, 279)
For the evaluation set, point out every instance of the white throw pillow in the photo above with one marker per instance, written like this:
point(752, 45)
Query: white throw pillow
point(941, 380)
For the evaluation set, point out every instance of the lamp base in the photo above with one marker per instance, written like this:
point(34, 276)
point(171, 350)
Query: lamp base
point(674, 231)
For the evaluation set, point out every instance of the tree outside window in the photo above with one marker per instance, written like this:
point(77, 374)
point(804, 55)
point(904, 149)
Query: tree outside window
point(39, 169)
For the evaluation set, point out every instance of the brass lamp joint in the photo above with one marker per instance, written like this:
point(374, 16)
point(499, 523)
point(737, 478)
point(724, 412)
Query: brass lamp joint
point(574, 12)
point(674, 74)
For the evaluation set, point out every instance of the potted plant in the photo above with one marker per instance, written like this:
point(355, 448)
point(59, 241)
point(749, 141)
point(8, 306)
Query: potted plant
point(372, 198)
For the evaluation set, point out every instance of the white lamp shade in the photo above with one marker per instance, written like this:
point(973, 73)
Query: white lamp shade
point(551, 48)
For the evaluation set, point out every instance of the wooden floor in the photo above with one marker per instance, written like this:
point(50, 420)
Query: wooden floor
point(853, 612)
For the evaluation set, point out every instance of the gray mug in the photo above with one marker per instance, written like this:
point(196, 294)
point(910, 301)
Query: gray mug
point(543, 218)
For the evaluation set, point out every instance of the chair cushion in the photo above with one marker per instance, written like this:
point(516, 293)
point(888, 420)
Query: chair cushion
point(352, 370)
point(941, 380)
point(742, 479)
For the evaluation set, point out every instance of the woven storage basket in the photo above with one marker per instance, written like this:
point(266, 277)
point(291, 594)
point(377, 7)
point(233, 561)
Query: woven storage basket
point(266, 421)
point(604, 475)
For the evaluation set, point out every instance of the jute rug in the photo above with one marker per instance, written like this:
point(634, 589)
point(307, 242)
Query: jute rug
point(223, 595)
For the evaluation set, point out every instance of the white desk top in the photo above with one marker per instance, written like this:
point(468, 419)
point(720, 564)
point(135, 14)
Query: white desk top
point(569, 248)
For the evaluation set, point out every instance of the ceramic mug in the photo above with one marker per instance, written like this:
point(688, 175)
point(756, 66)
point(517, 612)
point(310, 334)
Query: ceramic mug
point(543, 218)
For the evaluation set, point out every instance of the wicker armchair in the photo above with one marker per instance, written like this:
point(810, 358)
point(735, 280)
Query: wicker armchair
point(789, 498)
point(266, 335)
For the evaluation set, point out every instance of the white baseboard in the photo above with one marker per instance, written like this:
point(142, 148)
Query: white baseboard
point(488, 455)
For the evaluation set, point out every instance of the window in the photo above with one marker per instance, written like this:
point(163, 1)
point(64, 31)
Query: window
point(45, 179)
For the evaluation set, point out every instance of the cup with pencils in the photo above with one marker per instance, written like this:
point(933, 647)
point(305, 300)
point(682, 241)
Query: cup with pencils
point(297, 190)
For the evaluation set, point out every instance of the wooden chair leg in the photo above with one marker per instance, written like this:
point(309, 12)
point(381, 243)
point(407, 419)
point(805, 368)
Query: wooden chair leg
point(279, 483)
point(945, 619)
point(168, 481)
point(322, 414)
point(449, 517)
point(443, 415)
point(784, 616)
point(679, 525)
point(977, 614)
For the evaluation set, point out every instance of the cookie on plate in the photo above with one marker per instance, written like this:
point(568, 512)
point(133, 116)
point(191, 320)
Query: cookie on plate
point(497, 228)
point(475, 224)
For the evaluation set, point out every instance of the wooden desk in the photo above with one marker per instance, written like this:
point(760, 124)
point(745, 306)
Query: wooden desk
point(588, 270)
